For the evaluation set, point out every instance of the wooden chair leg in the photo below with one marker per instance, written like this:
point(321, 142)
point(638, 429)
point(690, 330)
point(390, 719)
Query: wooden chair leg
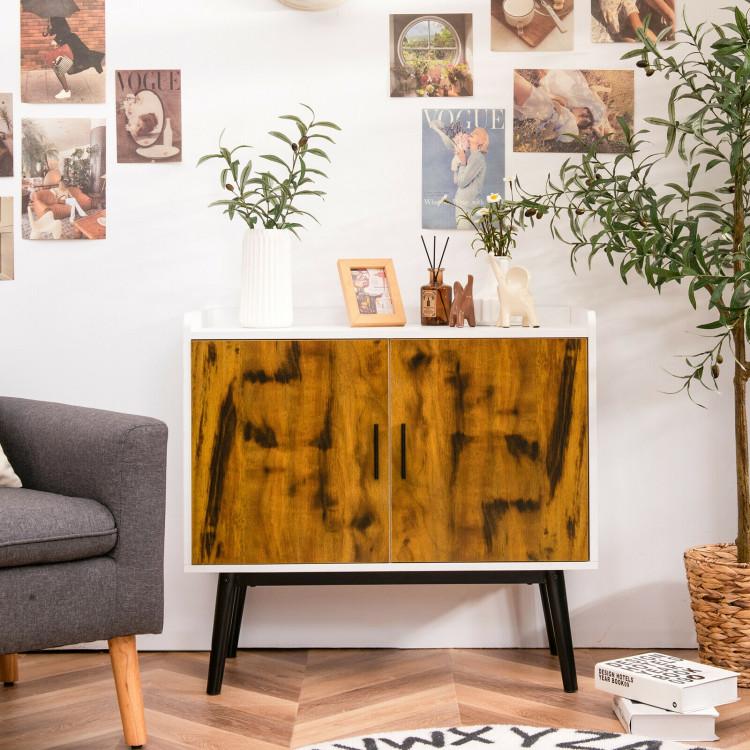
point(124, 656)
point(8, 669)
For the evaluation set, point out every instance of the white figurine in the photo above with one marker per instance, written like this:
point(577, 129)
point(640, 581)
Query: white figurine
point(515, 297)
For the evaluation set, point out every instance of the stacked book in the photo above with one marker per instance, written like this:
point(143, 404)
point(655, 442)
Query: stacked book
point(666, 698)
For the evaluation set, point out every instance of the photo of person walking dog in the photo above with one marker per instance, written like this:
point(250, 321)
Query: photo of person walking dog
point(62, 51)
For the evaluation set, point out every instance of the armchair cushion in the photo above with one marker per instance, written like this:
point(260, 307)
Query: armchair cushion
point(42, 527)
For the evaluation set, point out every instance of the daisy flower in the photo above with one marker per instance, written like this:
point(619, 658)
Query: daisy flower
point(494, 198)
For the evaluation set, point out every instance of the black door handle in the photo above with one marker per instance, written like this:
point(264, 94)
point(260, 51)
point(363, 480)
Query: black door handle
point(376, 451)
point(403, 451)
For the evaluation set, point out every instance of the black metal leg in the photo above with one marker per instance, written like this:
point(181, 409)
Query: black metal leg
point(239, 605)
point(548, 619)
point(558, 603)
point(222, 631)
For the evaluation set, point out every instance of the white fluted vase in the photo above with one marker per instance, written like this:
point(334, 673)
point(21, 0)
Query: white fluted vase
point(266, 279)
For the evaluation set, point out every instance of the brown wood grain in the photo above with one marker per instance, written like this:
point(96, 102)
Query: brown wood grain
point(283, 457)
point(8, 667)
point(124, 657)
point(496, 450)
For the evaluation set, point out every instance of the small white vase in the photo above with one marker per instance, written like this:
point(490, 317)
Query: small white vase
point(488, 309)
point(266, 279)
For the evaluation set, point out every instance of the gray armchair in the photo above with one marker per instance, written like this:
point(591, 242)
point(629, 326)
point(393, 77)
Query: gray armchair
point(82, 543)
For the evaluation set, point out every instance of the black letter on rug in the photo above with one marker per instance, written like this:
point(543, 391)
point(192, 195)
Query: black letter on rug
point(469, 736)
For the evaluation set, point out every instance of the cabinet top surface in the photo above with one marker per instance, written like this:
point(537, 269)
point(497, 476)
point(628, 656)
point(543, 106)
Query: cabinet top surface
point(331, 323)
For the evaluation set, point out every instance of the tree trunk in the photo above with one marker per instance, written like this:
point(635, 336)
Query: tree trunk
point(741, 443)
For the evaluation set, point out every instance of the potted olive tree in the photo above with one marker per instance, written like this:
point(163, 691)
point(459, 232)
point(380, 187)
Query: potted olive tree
point(268, 202)
point(695, 233)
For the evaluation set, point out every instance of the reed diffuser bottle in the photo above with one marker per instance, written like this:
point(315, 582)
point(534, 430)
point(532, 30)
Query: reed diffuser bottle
point(435, 297)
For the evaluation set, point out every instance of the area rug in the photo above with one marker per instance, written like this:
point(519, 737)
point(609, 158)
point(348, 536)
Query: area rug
point(500, 737)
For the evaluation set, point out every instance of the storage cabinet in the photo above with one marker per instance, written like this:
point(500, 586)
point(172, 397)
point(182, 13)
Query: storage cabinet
point(323, 455)
point(488, 451)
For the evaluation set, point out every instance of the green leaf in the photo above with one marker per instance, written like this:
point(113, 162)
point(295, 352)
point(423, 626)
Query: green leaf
point(280, 136)
point(317, 152)
point(276, 160)
point(325, 124)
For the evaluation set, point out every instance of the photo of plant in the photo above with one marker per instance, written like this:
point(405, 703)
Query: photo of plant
point(6, 135)
point(63, 190)
point(6, 239)
point(430, 55)
point(62, 51)
point(463, 159)
point(620, 20)
point(567, 110)
point(149, 116)
point(541, 25)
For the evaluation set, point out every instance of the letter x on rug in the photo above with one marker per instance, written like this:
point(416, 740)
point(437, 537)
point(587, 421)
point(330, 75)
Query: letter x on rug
point(500, 737)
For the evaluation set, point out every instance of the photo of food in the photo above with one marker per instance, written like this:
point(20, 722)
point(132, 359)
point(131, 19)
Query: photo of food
point(6, 135)
point(541, 25)
point(149, 116)
point(567, 110)
point(64, 186)
point(620, 20)
point(431, 54)
point(62, 51)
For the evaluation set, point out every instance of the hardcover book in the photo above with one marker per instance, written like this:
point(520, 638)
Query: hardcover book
point(667, 682)
point(650, 721)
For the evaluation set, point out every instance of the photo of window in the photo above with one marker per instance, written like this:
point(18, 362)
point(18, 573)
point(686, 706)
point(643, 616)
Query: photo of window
point(6, 135)
point(463, 159)
point(62, 51)
point(149, 120)
point(430, 55)
point(620, 20)
point(63, 190)
point(6, 239)
point(567, 110)
point(541, 25)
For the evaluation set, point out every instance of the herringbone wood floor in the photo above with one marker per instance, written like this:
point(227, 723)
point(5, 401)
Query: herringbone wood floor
point(282, 699)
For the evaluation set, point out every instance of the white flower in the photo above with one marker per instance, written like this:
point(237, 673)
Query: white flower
point(494, 198)
point(444, 199)
point(509, 180)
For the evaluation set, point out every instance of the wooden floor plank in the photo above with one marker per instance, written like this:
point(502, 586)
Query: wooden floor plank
point(280, 699)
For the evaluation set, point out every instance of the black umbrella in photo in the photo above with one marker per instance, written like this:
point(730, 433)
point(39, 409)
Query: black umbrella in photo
point(50, 8)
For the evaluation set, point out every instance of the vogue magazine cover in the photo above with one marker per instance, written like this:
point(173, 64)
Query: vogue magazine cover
point(463, 159)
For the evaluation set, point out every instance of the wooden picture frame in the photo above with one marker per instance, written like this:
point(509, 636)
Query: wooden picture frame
point(382, 308)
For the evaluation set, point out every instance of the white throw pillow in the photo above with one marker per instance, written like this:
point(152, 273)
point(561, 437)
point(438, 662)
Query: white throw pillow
point(8, 477)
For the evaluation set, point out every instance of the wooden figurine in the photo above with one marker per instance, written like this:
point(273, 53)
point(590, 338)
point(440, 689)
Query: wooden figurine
point(463, 304)
point(515, 296)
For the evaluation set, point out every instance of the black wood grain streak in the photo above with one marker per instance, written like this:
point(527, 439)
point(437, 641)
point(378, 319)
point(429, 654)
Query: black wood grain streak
point(519, 446)
point(286, 372)
point(559, 433)
point(219, 459)
point(211, 353)
point(420, 359)
point(263, 435)
point(363, 520)
point(458, 382)
point(324, 441)
point(493, 511)
point(571, 528)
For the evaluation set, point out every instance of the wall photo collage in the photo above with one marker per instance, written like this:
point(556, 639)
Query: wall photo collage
point(555, 110)
point(63, 160)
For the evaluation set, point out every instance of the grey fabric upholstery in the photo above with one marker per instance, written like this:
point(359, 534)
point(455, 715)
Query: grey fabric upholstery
point(41, 527)
point(117, 460)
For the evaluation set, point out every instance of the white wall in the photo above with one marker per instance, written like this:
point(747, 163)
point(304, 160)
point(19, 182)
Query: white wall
point(100, 323)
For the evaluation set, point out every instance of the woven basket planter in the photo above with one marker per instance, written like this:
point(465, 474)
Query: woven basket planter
point(720, 598)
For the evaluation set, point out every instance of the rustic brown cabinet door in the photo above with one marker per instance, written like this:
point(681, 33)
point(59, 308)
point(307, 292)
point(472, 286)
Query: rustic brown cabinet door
point(494, 434)
point(284, 462)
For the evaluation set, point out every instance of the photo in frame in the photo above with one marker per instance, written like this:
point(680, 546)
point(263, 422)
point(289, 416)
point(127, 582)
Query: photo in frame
point(431, 54)
point(6, 135)
point(64, 179)
point(371, 292)
point(566, 111)
point(6, 239)
point(63, 52)
point(149, 116)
